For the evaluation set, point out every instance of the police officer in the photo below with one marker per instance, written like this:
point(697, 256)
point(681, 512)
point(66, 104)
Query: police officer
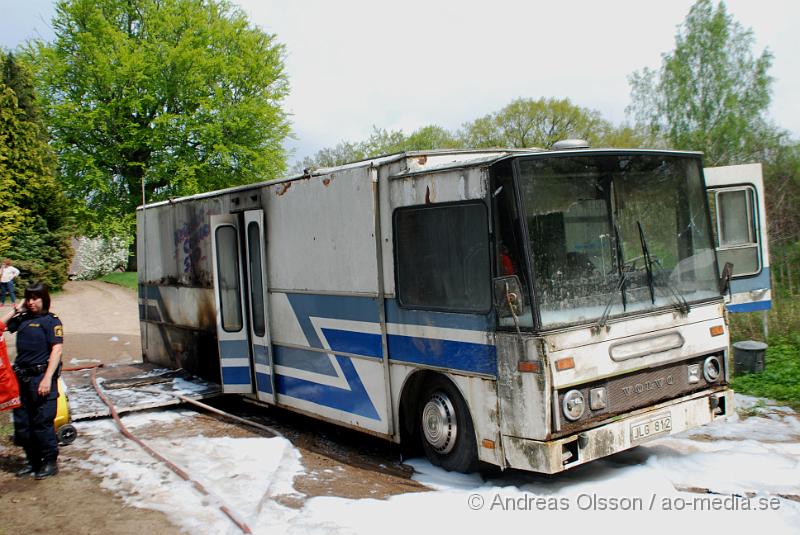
point(39, 342)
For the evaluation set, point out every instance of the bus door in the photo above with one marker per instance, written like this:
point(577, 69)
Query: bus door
point(738, 216)
point(240, 292)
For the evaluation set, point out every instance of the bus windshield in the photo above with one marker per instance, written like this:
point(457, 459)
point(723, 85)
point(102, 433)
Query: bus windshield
point(615, 234)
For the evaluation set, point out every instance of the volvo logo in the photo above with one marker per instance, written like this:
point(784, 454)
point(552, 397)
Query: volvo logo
point(647, 386)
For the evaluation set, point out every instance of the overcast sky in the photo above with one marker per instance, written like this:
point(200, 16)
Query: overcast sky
point(404, 65)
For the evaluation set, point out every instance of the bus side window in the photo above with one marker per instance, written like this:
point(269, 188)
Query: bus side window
point(735, 232)
point(442, 257)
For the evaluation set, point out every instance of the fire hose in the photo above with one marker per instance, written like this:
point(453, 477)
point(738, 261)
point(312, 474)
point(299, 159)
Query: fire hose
point(215, 410)
point(230, 513)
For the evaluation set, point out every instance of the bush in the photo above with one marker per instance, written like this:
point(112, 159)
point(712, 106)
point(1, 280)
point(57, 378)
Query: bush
point(41, 255)
point(99, 256)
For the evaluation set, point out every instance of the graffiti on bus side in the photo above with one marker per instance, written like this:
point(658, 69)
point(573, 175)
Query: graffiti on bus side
point(191, 241)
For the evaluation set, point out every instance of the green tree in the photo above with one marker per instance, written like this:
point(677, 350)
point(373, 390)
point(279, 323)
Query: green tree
point(711, 92)
point(432, 137)
point(344, 152)
point(380, 142)
point(623, 136)
point(17, 78)
point(33, 210)
point(782, 196)
point(526, 123)
point(181, 94)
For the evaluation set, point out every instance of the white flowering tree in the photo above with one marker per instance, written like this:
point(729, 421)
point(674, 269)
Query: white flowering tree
point(96, 257)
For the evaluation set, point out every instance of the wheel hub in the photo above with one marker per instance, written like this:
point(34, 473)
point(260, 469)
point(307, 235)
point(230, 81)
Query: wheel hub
point(439, 423)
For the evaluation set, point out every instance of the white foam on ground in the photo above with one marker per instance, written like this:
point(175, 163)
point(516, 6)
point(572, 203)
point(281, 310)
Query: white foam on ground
point(757, 456)
point(246, 473)
point(83, 361)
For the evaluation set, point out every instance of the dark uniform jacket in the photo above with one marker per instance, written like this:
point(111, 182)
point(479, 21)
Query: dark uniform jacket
point(36, 335)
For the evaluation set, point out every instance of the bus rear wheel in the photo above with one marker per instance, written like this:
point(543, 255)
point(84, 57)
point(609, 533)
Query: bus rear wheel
point(446, 430)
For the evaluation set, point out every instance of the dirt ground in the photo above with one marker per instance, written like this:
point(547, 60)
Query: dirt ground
point(101, 325)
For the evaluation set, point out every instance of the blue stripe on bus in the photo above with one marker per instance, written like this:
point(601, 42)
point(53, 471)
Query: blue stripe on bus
point(302, 359)
point(152, 291)
point(344, 307)
point(263, 382)
point(236, 375)
point(464, 356)
point(260, 354)
point(354, 399)
point(451, 320)
point(358, 343)
point(750, 307)
point(233, 349)
point(453, 354)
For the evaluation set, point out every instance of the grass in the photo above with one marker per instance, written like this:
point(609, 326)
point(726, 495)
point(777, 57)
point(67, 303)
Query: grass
point(128, 279)
point(780, 379)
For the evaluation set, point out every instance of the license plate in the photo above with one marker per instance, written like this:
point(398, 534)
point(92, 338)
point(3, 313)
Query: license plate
point(655, 425)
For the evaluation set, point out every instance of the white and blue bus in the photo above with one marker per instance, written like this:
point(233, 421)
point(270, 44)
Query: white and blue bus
point(530, 309)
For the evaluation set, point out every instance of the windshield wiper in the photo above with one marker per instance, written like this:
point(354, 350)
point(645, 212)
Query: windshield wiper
point(648, 263)
point(621, 265)
point(620, 289)
point(623, 279)
point(683, 305)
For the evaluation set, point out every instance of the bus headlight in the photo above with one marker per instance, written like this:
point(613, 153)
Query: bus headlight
point(573, 405)
point(712, 369)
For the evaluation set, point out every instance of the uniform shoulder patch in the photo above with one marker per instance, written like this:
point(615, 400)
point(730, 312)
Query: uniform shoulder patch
point(58, 330)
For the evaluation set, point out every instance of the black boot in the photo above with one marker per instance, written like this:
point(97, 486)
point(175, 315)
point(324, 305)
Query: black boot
point(27, 470)
point(49, 469)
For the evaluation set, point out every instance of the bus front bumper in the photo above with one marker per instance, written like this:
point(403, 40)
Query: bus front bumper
point(621, 433)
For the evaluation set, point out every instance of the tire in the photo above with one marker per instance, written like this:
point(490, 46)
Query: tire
point(67, 434)
point(445, 427)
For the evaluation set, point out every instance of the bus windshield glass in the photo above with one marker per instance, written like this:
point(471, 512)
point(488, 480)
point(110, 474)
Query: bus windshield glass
point(615, 234)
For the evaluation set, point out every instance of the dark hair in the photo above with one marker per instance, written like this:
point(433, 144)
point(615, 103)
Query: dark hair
point(39, 289)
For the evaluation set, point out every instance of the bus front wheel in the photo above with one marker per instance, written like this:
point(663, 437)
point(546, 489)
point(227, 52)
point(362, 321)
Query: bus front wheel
point(448, 436)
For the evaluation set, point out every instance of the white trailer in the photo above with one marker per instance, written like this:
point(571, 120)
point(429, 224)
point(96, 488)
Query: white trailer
point(528, 309)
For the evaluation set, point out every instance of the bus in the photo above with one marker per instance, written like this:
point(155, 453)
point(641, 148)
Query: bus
point(529, 309)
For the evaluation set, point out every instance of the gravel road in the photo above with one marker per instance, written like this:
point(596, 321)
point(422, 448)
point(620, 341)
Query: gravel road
point(101, 323)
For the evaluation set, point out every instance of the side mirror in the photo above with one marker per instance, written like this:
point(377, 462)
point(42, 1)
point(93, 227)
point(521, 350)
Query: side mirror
point(725, 278)
point(508, 296)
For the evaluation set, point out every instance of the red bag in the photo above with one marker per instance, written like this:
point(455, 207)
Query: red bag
point(9, 388)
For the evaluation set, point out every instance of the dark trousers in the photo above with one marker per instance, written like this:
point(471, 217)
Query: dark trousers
point(33, 422)
point(7, 288)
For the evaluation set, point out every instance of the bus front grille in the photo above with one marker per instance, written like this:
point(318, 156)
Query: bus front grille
point(638, 389)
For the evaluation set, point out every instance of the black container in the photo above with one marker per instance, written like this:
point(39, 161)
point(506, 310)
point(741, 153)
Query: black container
point(748, 357)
